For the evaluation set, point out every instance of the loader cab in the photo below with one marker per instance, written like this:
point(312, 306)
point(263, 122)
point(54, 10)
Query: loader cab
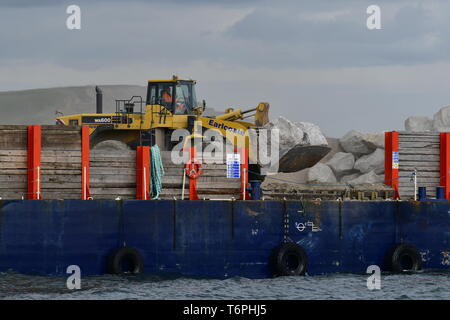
point(177, 96)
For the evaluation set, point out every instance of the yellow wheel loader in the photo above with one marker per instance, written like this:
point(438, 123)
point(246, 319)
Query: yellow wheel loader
point(171, 105)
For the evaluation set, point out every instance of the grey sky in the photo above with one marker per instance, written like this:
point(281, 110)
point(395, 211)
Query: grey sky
point(311, 60)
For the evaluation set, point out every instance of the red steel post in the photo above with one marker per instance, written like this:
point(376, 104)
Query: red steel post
point(445, 162)
point(391, 161)
point(85, 158)
point(34, 163)
point(143, 173)
point(193, 195)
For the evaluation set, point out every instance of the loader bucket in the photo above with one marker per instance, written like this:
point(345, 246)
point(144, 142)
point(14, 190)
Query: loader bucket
point(302, 157)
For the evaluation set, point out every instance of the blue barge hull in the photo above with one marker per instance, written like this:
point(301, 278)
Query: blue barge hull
point(217, 239)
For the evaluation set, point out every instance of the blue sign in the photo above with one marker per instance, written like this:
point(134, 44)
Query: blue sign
point(394, 160)
point(233, 165)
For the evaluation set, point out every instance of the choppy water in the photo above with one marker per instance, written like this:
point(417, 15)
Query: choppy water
point(429, 285)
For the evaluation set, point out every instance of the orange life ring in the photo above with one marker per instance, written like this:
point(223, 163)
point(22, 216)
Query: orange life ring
point(193, 168)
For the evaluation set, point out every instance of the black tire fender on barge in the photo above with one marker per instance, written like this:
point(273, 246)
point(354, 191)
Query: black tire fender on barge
point(289, 259)
point(403, 258)
point(125, 258)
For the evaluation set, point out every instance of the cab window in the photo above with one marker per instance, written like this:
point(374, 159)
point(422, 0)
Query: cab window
point(161, 94)
point(185, 99)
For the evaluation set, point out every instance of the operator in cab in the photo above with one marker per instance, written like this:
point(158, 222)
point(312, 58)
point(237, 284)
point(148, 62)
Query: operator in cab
point(166, 96)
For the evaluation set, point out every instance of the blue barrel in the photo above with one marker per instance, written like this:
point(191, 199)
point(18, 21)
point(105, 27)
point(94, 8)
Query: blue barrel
point(422, 193)
point(255, 189)
point(440, 193)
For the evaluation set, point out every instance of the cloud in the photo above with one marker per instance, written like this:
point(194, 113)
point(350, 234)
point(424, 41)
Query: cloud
point(297, 34)
point(27, 3)
point(110, 37)
point(44, 3)
point(313, 60)
point(338, 37)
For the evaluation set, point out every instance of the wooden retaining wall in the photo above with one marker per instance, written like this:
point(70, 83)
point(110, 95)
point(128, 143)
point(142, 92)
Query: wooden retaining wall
point(212, 184)
point(421, 151)
point(112, 173)
point(13, 162)
point(61, 163)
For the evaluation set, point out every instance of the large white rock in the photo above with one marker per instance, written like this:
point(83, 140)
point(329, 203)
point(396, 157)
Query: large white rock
point(441, 120)
point(355, 142)
point(312, 135)
point(290, 134)
point(294, 133)
point(371, 162)
point(321, 173)
point(418, 123)
point(342, 163)
point(333, 143)
point(370, 177)
point(377, 139)
point(280, 136)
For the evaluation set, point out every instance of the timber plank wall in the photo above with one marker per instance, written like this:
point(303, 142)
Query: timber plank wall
point(212, 184)
point(112, 173)
point(13, 162)
point(60, 162)
point(420, 151)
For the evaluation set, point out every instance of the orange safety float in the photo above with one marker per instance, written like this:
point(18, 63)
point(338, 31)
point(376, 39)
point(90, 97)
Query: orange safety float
point(193, 168)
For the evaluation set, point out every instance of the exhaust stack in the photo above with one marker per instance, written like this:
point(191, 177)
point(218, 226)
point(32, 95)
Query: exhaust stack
point(99, 99)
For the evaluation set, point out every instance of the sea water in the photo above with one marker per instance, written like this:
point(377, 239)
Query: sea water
point(427, 285)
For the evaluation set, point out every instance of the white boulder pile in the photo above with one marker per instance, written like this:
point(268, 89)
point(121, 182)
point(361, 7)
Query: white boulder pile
point(361, 160)
point(441, 120)
point(418, 123)
point(368, 152)
point(312, 135)
point(295, 133)
point(321, 173)
point(356, 158)
point(290, 135)
point(376, 139)
point(371, 162)
point(439, 123)
point(342, 163)
point(355, 142)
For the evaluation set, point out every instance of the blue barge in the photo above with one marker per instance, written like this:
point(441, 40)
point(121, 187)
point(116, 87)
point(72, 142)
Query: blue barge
point(206, 238)
point(221, 239)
